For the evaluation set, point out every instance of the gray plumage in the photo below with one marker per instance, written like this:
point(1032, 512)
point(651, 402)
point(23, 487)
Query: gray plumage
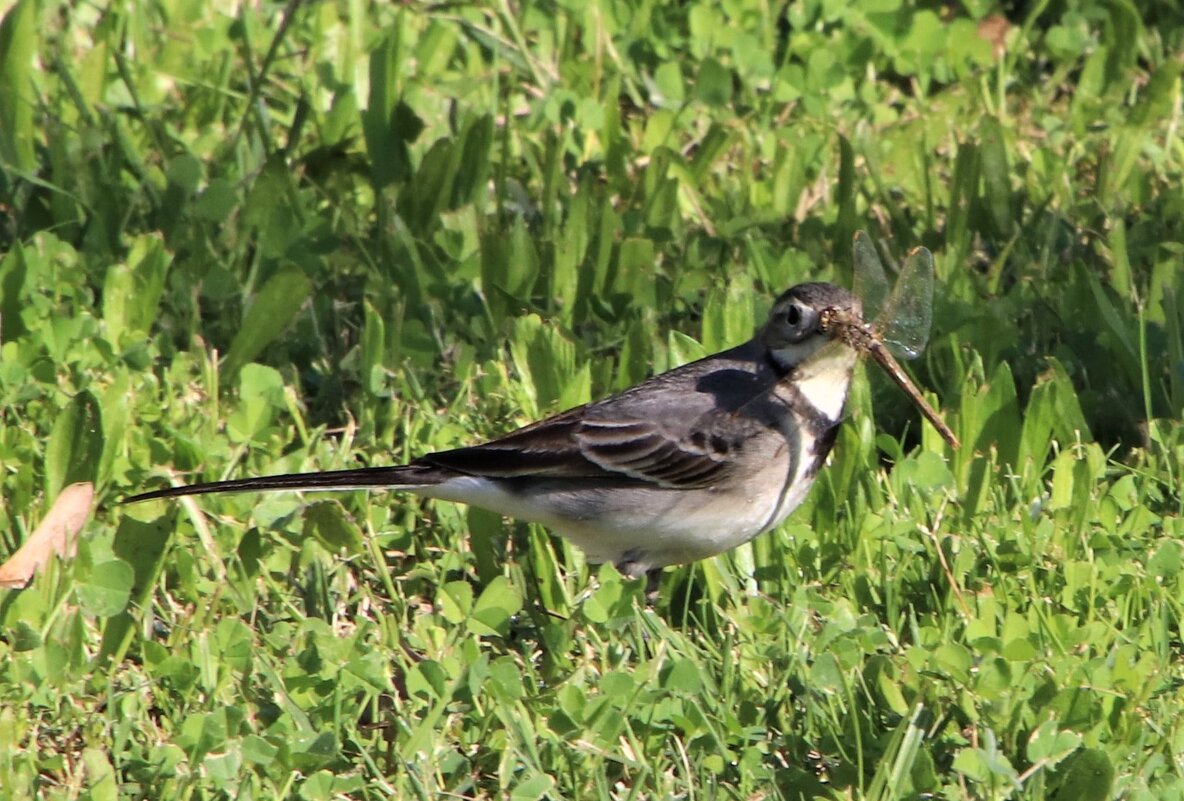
point(685, 465)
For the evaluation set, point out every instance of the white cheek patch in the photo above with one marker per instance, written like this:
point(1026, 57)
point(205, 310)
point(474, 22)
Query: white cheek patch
point(788, 357)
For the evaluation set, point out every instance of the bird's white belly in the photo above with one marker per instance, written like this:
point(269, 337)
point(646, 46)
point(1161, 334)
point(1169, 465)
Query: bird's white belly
point(670, 527)
point(642, 527)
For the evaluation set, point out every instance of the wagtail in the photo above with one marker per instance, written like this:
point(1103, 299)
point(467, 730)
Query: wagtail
point(685, 465)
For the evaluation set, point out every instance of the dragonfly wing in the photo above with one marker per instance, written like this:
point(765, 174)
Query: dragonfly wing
point(870, 285)
point(904, 320)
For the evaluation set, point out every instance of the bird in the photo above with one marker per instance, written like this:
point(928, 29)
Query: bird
point(686, 465)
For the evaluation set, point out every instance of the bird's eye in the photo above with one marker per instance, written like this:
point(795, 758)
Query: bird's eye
point(798, 322)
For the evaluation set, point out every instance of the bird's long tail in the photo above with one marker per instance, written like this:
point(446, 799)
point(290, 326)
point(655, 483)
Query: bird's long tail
point(410, 475)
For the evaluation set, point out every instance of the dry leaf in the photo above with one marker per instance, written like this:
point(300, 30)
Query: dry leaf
point(995, 29)
point(57, 534)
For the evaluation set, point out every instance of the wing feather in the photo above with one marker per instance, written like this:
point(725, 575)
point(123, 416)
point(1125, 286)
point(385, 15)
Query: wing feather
point(670, 431)
point(647, 451)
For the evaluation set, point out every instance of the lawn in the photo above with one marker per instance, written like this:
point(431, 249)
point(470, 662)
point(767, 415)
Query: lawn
point(241, 239)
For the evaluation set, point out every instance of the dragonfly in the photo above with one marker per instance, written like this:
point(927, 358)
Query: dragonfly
point(900, 321)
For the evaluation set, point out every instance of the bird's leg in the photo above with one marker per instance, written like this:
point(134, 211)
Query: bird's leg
point(631, 567)
point(653, 582)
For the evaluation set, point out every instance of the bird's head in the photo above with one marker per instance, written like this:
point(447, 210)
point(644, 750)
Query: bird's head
point(796, 330)
point(805, 337)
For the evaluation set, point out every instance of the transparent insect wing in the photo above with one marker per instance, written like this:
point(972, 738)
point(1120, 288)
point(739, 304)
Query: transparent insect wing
point(870, 284)
point(903, 322)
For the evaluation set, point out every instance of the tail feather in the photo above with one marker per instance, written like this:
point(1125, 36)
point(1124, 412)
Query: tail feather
point(358, 478)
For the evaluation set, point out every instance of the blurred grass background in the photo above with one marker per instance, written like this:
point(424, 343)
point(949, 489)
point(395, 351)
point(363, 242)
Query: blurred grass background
point(247, 239)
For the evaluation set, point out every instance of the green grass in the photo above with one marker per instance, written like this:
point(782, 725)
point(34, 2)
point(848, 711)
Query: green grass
point(317, 235)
